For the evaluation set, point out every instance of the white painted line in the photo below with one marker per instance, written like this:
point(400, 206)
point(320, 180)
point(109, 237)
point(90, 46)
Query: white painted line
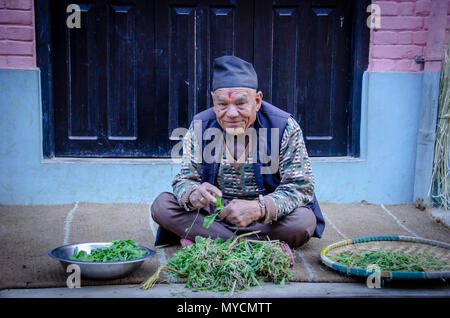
point(399, 223)
point(312, 274)
point(334, 226)
point(162, 253)
point(67, 222)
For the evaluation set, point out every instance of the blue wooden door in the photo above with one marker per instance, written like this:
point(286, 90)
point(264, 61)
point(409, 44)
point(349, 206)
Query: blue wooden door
point(138, 69)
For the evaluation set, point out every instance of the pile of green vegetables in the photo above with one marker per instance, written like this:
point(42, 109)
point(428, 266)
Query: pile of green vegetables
point(120, 250)
point(388, 260)
point(227, 266)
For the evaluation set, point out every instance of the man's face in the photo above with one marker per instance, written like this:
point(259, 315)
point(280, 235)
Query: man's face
point(236, 108)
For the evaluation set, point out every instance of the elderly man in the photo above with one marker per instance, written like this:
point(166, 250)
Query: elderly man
point(280, 204)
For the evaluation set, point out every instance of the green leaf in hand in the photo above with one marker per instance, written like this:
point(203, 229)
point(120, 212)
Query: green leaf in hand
point(209, 219)
point(220, 207)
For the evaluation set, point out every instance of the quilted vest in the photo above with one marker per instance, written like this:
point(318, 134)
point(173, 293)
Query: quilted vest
point(267, 117)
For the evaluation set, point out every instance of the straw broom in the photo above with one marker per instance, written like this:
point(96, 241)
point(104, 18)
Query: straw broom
point(440, 177)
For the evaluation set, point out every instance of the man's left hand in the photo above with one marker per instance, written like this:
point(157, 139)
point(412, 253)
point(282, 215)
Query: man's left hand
point(241, 212)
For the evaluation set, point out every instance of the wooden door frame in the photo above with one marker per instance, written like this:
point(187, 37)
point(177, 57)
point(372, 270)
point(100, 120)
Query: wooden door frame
point(44, 63)
point(359, 63)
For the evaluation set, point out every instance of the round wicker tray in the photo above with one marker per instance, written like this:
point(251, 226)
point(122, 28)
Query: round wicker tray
point(406, 244)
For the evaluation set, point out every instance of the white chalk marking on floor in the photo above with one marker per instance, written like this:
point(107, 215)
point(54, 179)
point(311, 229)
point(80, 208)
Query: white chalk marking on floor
point(334, 226)
point(162, 253)
point(67, 222)
point(399, 223)
point(312, 274)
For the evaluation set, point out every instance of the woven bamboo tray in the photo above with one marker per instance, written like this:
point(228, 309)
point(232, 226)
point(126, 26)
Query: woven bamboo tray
point(407, 244)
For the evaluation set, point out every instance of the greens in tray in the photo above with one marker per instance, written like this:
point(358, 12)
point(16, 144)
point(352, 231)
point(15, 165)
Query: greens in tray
point(120, 250)
point(388, 260)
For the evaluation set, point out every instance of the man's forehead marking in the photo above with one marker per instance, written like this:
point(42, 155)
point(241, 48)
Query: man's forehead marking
point(222, 96)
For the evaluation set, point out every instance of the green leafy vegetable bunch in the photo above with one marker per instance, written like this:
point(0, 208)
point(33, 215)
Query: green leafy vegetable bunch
point(228, 266)
point(388, 260)
point(120, 250)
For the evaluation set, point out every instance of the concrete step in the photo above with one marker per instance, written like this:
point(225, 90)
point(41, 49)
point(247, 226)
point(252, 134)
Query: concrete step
point(268, 290)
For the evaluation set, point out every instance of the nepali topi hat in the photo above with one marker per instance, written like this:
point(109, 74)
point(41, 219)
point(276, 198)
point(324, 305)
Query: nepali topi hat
point(231, 71)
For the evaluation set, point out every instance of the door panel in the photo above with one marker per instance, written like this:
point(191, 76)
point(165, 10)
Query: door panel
point(192, 34)
point(96, 79)
point(81, 78)
point(307, 72)
point(137, 69)
point(285, 56)
point(121, 72)
point(182, 72)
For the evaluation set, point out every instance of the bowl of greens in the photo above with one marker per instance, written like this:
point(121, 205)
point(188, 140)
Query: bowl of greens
point(103, 260)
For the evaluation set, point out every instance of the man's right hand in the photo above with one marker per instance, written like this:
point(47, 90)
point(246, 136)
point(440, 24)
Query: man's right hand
point(204, 195)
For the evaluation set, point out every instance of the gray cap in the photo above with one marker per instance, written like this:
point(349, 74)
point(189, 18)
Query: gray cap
point(231, 71)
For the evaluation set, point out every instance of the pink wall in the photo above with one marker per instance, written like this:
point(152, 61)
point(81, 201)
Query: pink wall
point(404, 33)
point(17, 37)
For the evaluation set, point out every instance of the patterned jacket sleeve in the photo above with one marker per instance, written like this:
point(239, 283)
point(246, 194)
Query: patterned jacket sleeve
point(296, 186)
point(189, 177)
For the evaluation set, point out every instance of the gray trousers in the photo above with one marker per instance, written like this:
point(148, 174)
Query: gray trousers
point(295, 229)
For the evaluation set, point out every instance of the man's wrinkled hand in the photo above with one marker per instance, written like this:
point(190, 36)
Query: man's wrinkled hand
point(204, 195)
point(241, 212)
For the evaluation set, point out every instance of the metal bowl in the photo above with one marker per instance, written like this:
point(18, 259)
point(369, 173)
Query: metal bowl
point(98, 270)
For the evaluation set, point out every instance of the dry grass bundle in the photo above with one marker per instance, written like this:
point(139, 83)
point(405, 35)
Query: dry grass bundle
point(440, 191)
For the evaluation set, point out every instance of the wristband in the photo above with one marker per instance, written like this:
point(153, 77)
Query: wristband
point(262, 206)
